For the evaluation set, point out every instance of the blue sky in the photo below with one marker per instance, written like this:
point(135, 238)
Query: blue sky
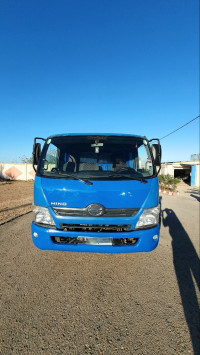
point(111, 66)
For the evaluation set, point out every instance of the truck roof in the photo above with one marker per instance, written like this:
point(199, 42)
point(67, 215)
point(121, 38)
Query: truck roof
point(96, 134)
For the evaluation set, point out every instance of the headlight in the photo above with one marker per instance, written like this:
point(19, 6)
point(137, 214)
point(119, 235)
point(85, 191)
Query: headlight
point(149, 218)
point(42, 215)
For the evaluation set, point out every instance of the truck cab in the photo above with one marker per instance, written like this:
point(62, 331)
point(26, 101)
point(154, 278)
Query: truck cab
point(96, 193)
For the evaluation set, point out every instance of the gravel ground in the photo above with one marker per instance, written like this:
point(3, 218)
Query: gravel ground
point(70, 303)
point(16, 198)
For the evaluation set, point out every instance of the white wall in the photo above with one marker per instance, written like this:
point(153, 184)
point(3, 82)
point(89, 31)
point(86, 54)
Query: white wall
point(17, 171)
point(167, 169)
point(197, 177)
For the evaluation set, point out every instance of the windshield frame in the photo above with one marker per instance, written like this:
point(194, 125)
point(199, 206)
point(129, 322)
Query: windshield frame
point(94, 178)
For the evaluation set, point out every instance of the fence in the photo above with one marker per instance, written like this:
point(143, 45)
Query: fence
point(17, 171)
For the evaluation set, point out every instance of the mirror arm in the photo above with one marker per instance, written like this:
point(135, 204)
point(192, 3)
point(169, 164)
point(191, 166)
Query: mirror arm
point(43, 139)
point(158, 170)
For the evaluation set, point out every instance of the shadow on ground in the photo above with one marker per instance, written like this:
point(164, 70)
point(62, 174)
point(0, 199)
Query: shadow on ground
point(196, 196)
point(193, 190)
point(187, 267)
point(14, 208)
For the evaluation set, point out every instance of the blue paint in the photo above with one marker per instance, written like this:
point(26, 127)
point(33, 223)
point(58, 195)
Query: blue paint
point(193, 175)
point(123, 194)
point(94, 134)
point(145, 242)
point(109, 193)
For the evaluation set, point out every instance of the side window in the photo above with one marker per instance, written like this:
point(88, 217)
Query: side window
point(51, 160)
point(144, 161)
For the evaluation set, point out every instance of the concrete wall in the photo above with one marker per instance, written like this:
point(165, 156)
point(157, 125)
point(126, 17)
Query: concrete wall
point(167, 169)
point(17, 171)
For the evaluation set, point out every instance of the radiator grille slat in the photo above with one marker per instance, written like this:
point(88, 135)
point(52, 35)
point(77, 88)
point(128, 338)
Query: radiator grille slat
point(83, 212)
point(95, 241)
point(100, 228)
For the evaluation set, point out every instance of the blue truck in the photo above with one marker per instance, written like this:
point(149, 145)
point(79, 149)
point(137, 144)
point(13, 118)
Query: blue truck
point(96, 193)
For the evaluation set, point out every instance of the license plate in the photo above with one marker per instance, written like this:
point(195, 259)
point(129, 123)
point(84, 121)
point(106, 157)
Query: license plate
point(94, 240)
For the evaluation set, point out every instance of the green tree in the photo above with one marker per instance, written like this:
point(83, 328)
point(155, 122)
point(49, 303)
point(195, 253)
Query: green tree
point(168, 182)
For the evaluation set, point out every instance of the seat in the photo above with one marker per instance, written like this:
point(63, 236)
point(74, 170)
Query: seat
point(88, 166)
point(69, 166)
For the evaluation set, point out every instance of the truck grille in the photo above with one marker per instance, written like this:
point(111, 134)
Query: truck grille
point(108, 212)
point(101, 228)
point(95, 241)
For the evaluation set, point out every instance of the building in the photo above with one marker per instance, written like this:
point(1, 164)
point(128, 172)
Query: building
point(189, 171)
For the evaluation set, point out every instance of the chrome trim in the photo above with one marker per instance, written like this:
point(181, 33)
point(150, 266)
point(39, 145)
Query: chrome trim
point(83, 212)
point(95, 209)
point(109, 241)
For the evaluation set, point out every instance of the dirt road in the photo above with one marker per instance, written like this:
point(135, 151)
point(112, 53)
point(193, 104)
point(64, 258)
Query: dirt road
point(70, 303)
point(16, 198)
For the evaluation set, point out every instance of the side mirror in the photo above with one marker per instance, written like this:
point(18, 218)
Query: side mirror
point(156, 151)
point(36, 153)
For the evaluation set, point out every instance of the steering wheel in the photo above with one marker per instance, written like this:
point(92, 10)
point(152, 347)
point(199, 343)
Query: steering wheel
point(54, 170)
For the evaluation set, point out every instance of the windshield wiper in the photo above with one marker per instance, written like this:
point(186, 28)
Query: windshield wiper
point(84, 180)
point(139, 178)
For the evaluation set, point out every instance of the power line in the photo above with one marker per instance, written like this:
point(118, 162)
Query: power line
point(180, 127)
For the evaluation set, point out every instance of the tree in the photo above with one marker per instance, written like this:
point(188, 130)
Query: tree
point(168, 182)
point(26, 160)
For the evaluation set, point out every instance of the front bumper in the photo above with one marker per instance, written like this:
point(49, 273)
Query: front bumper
point(146, 242)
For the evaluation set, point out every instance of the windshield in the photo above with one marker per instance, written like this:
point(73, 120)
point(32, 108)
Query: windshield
point(96, 158)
